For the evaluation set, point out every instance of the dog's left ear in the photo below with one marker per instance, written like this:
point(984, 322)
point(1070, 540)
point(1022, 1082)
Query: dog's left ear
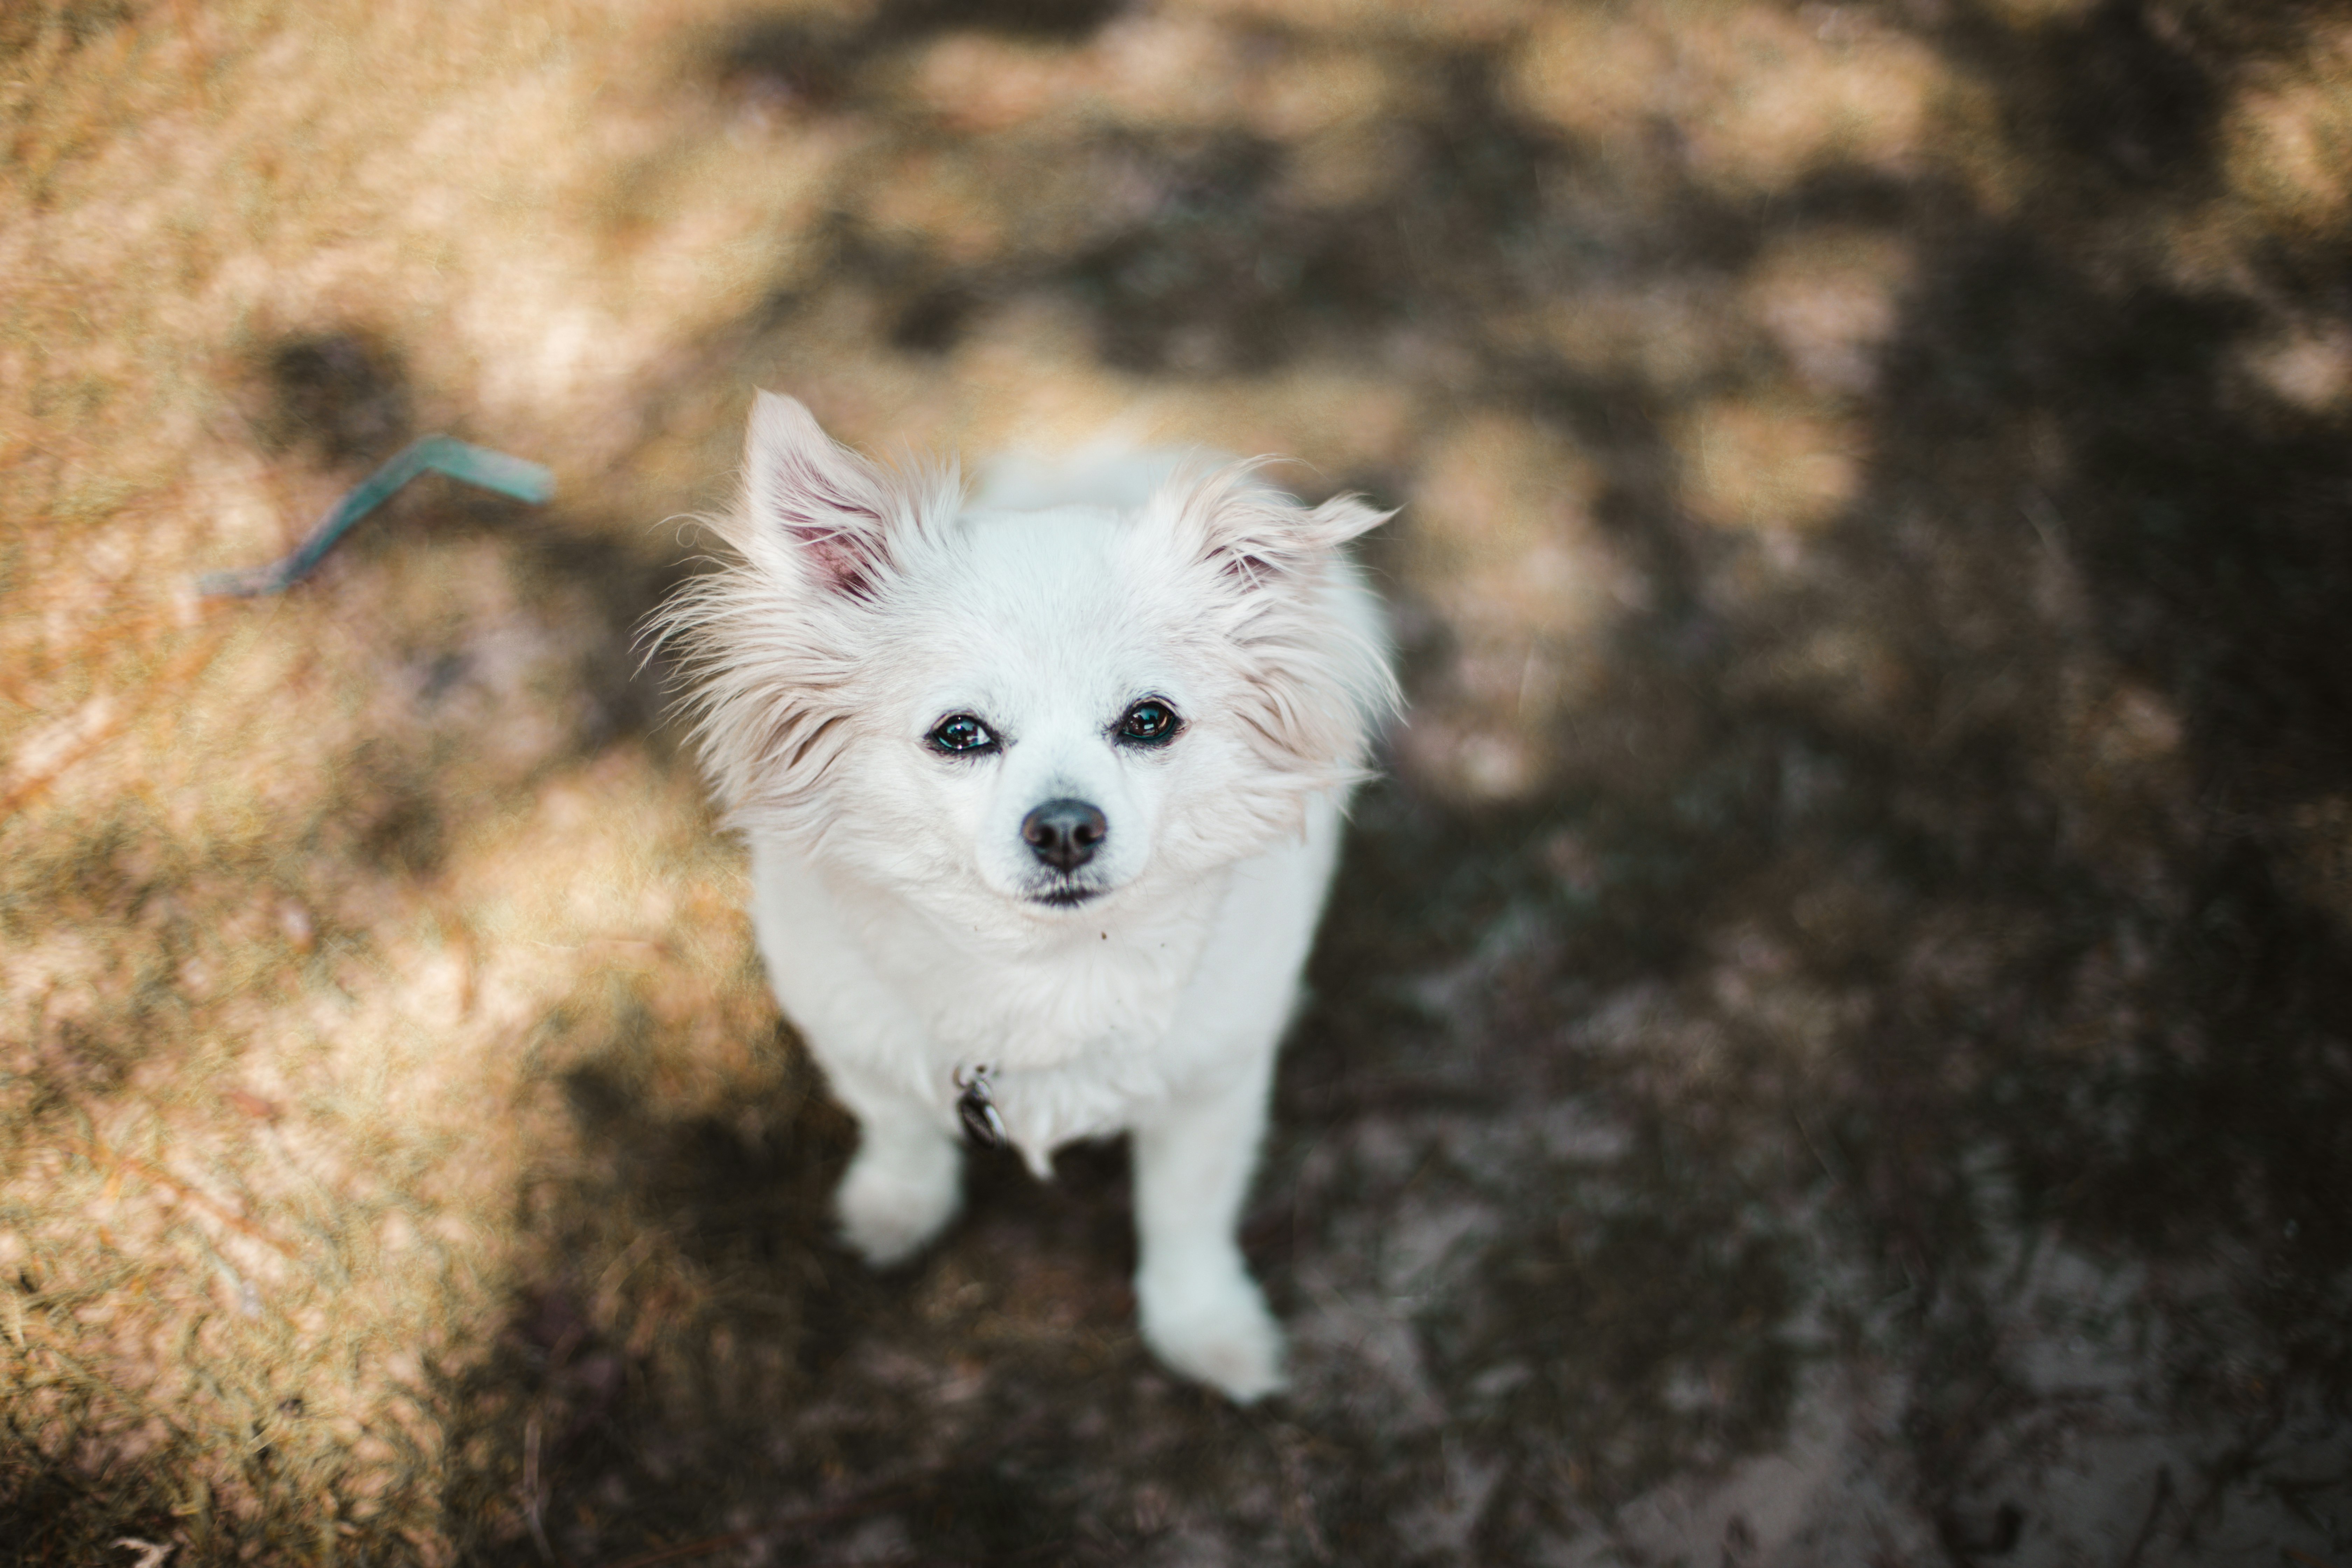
point(1312, 676)
point(814, 504)
point(1262, 537)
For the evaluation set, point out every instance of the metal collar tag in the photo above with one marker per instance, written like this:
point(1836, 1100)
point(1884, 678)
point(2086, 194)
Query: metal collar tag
point(977, 1106)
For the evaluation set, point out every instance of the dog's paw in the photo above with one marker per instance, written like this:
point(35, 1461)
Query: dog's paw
point(1219, 1333)
point(891, 1209)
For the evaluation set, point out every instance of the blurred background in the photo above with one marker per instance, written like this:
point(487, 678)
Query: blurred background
point(1834, 1043)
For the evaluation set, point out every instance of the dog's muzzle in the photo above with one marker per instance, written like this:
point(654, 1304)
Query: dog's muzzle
point(1065, 834)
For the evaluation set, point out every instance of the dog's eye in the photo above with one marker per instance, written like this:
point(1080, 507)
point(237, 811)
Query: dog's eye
point(1150, 720)
point(962, 732)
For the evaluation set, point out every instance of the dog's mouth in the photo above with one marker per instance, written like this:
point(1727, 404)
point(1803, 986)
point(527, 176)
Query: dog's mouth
point(1066, 895)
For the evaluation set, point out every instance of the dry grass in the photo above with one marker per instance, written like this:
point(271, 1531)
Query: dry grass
point(311, 905)
point(399, 1157)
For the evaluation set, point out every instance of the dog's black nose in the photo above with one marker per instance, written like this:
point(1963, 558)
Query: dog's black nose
point(1064, 834)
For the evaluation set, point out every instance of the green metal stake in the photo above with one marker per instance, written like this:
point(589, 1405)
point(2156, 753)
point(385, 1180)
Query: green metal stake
point(525, 481)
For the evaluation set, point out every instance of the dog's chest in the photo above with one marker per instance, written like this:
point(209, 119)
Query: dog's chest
point(1112, 997)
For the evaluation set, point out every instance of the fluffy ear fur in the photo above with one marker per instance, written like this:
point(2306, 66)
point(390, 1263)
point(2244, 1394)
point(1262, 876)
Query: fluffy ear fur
point(1260, 535)
point(810, 504)
point(1315, 676)
point(770, 643)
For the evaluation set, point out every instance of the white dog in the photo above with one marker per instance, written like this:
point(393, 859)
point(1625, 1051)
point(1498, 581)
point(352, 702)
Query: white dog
point(1043, 791)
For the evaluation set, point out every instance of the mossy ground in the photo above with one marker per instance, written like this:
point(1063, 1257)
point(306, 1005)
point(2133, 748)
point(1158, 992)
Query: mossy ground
point(1832, 1044)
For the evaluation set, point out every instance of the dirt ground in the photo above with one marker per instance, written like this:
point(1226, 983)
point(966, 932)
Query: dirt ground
point(1834, 1040)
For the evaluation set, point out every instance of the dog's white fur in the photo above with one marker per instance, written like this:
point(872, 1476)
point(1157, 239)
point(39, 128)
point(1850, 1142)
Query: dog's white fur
point(899, 908)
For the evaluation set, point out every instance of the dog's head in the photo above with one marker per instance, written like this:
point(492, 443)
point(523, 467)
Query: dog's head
point(1030, 711)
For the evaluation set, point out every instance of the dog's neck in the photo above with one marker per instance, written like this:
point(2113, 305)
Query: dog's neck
point(1023, 993)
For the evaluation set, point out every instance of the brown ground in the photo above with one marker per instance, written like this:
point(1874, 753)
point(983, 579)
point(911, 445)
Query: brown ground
point(1834, 1046)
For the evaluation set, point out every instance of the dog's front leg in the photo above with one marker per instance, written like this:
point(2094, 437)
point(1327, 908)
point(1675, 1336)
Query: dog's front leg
point(906, 1180)
point(1201, 1313)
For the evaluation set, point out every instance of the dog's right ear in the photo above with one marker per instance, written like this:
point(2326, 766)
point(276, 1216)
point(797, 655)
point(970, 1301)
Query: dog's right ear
point(814, 508)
